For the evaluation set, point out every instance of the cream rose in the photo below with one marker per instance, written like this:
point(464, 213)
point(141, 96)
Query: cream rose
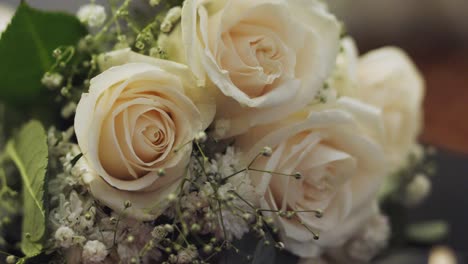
point(342, 167)
point(344, 77)
point(267, 57)
point(130, 125)
point(389, 80)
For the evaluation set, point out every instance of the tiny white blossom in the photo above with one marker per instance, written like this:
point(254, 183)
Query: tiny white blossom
point(201, 137)
point(93, 15)
point(64, 236)
point(173, 15)
point(94, 252)
point(87, 220)
point(235, 226)
point(186, 256)
point(75, 208)
point(68, 110)
point(418, 189)
point(225, 165)
point(154, 2)
point(52, 80)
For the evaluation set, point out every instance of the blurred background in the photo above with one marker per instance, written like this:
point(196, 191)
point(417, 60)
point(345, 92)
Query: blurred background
point(435, 34)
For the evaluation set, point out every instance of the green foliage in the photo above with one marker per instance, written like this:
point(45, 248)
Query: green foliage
point(26, 49)
point(29, 152)
point(428, 232)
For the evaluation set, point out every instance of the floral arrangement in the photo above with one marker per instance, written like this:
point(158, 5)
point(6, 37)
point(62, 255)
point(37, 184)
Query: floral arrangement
point(202, 131)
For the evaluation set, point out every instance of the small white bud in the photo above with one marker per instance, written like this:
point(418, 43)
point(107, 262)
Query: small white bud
point(64, 236)
point(154, 2)
point(11, 259)
point(418, 189)
point(166, 26)
point(68, 110)
point(171, 197)
point(267, 151)
point(161, 172)
point(440, 254)
point(201, 137)
point(169, 228)
point(94, 252)
point(52, 80)
point(172, 16)
point(159, 232)
point(92, 15)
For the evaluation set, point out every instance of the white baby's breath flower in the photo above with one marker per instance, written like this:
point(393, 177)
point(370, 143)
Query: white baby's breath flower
point(417, 190)
point(173, 15)
point(68, 110)
point(52, 80)
point(75, 208)
point(236, 226)
point(93, 15)
point(64, 236)
point(94, 252)
point(187, 256)
point(130, 237)
point(86, 221)
point(154, 2)
point(227, 164)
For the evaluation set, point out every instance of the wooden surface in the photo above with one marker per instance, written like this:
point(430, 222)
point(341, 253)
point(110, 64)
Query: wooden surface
point(446, 102)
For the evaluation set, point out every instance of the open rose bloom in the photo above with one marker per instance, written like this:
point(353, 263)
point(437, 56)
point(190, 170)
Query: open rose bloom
point(341, 168)
point(133, 127)
point(267, 59)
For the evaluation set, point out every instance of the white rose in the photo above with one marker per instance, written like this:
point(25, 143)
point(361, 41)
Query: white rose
point(130, 125)
point(344, 77)
point(268, 58)
point(389, 80)
point(341, 166)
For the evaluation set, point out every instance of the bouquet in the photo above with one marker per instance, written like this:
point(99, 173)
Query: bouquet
point(202, 131)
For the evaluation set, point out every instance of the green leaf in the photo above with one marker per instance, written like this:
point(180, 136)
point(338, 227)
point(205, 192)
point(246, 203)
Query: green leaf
point(29, 151)
point(26, 50)
point(428, 232)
